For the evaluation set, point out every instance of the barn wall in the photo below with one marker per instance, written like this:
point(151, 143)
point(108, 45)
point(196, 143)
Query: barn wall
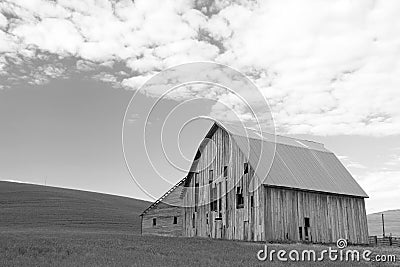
point(331, 216)
point(227, 222)
point(276, 213)
point(164, 215)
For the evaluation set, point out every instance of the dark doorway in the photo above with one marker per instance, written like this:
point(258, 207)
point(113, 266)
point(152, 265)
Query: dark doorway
point(306, 228)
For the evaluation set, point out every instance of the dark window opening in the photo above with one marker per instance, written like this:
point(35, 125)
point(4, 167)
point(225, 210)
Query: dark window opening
point(193, 220)
point(220, 199)
point(306, 227)
point(239, 198)
point(154, 221)
point(175, 220)
point(225, 171)
point(213, 206)
point(206, 217)
point(306, 233)
point(226, 195)
point(252, 201)
point(196, 195)
point(301, 233)
point(246, 167)
point(198, 155)
point(306, 222)
point(213, 198)
point(211, 176)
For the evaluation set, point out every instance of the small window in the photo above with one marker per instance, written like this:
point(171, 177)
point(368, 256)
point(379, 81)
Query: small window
point(246, 167)
point(175, 220)
point(206, 217)
point(226, 171)
point(196, 194)
point(154, 221)
point(211, 176)
point(306, 233)
point(301, 233)
point(252, 201)
point(213, 198)
point(198, 155)
point(213, 205)
point(306, 222)
point(226, 195)
point(239, 199)
point(193, 220)
point(220, 199)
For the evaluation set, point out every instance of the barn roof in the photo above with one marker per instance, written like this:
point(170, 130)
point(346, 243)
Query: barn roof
point(296, 163)
point(177, 186)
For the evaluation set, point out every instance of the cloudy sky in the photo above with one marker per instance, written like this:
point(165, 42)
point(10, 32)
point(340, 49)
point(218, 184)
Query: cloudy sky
point(330, 71)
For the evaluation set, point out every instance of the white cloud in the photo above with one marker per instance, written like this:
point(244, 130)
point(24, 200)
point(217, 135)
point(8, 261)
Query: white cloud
point(326, 68)
point(43, 8)
point(3, 21)
point(43, 74)
point(7, 42)
point(136, 82)
point(84, 65)
point(65, 38)
point(332, 66)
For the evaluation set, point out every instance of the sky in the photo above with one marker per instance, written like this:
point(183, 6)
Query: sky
point(329, 70)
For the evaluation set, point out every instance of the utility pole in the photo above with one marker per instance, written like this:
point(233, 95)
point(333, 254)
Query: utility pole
point(383, 225)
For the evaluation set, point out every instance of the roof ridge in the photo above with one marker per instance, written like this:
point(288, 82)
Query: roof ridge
point(259, 131)
point(284, 136)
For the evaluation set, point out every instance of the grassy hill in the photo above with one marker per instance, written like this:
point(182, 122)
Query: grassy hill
point(47, 226)
point(392, 223)
point(34, 206)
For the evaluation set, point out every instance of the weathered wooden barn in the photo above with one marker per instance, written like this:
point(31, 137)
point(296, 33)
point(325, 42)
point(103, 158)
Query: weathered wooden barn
point(270, 188)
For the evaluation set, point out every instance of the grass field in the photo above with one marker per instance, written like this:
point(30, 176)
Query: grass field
point(44, 226)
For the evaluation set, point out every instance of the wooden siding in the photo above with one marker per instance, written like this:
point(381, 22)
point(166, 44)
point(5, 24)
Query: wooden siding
point(164, 215)
point(331, 216)
point(235, 223)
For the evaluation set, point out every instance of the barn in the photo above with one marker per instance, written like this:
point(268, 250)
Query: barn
point(245, 186)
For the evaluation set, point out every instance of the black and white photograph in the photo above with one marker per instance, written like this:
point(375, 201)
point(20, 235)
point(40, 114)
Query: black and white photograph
point(199, 133)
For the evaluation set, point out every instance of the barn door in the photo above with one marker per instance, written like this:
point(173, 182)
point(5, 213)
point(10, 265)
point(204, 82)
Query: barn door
point(246, 230)
point(218, 228)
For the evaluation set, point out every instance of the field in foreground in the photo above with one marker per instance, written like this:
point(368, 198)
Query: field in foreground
point(75, 248)
point(45, 226)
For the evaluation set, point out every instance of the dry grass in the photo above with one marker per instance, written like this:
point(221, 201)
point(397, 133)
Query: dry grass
point(40, 247)
point(43, 226)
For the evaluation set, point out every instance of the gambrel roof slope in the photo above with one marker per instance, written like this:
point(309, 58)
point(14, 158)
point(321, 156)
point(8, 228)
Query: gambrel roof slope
point(296, 163)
